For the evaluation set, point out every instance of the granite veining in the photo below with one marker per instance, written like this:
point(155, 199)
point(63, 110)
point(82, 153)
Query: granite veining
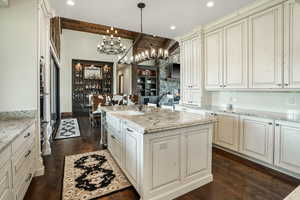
point(289, 117)
point(12, 124)
point(156, 119)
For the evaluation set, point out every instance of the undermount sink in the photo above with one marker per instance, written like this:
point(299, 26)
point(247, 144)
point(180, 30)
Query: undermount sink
point(129, 112)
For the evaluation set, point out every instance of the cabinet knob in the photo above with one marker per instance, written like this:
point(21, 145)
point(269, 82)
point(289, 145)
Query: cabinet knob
point(221, 85)
point(129, 130)
point(279, 84)
point(270, 123)
point(224, 85)
point(286, 84)
point(277, 124)
point(27, 135)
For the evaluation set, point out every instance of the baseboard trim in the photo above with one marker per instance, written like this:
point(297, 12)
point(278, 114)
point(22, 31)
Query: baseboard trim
point(179, 191)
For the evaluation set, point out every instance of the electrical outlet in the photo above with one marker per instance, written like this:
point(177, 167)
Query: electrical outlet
point(292, 101)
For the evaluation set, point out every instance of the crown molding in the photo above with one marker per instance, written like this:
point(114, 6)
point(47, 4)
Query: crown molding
point(257, 6)
point(197, 32)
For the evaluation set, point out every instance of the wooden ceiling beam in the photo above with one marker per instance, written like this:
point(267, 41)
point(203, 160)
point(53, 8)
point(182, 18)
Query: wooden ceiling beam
point(77, 25)
point(173, 47)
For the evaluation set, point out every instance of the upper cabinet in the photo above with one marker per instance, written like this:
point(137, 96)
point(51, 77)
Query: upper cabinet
point(265, 48)
point(235, 55)
point(292, 45)
point(213, 58)
point(191, 69)
point(256, 49)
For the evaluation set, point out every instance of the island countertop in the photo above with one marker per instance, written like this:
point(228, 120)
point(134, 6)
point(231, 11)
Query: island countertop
point(155, 119)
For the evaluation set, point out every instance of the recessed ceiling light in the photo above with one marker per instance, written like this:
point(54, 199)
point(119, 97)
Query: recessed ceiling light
point(70, 3)
point(173, 27)
point(210, 4)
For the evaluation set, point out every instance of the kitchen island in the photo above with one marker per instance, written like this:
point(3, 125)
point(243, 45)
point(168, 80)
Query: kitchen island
point(163, 153)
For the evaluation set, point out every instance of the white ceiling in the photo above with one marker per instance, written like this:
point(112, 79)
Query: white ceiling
point(159, 15)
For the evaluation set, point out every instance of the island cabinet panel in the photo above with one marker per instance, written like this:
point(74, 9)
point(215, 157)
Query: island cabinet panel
point(131, 154)
point(287, 151)
point(227, 131)
point(292, 45)
point(166, 161)
point(193, 149)
point(256, 138)
point(265, 48)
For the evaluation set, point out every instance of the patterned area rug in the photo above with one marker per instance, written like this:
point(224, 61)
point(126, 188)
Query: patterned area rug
point(92, 175)
point(68, 128)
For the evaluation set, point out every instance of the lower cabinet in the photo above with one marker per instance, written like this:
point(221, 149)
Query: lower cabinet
point(256, 138)
point(131, 154)
point(5, 182)
point(227, 131)
point(287, 150)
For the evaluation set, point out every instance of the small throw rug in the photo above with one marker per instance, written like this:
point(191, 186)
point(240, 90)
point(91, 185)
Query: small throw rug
point(68, 128)
point(91, 175)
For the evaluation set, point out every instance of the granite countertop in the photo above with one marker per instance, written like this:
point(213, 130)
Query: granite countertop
point(289, 117)
point(156, 119)
point(12, 125)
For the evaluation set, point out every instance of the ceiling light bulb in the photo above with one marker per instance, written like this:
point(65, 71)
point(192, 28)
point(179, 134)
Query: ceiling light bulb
point(70, 3)
point(210, 4)
point(173, 27)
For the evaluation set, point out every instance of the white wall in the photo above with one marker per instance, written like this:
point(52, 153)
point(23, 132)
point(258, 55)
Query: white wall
point(267, 101)
point(18, 56)
point(79, 45)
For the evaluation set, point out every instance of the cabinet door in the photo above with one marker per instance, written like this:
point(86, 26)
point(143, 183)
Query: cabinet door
point(165, 161)
point(195, 71)
point(197, 155)
point(266, 39)
point(213, 60)
point(186, 60)
point(131, 155)
point(292, 45)
point(287, 151)
point(256, 138)
point(5, 182)
point(236, 55)
point(227, 131)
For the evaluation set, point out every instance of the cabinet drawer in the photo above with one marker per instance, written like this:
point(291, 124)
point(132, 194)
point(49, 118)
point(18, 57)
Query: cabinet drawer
point(26, 137)
point(5, 182)
point(5, 155)
point(21, 163)
point(20, 191)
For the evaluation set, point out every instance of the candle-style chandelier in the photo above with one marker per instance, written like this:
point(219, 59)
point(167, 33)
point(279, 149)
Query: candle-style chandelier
point(150, 53)
point(111, 44)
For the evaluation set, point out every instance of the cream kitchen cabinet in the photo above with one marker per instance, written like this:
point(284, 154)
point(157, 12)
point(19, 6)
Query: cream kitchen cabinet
point(5, 175)
point(227, 131)
point(213, 59)
point(256, 138)
point(287, 151)
point(265, 49)
point(235, 67)
point(292, 45)
point(191, 69)
point(226, 57)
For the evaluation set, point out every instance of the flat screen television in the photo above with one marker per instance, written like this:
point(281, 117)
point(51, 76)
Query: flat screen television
point(174, 71)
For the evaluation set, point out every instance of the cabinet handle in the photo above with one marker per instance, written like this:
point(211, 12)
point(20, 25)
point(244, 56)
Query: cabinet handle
point(27, 135)
point(221, 85)
point(113, 137)
point(224, 85)
point(129, 130)
point(277, 124)
point(29, 177)
point(270, 123)
point(215, 114)
point(279, 84)
point(286, 84)
point(27, 154)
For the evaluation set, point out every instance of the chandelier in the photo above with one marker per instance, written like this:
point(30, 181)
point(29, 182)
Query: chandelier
point(111, 44)
point(150, 53)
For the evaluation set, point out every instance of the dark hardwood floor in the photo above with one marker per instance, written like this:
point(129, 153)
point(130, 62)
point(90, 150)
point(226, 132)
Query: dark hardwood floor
point(234, 178)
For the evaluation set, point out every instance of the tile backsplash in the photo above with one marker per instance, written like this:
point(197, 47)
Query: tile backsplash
point(267, 101)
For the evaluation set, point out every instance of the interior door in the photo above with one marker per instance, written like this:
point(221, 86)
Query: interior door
point(236, 55)
point(292, 45)
point(214, 60)
point(266, 47)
